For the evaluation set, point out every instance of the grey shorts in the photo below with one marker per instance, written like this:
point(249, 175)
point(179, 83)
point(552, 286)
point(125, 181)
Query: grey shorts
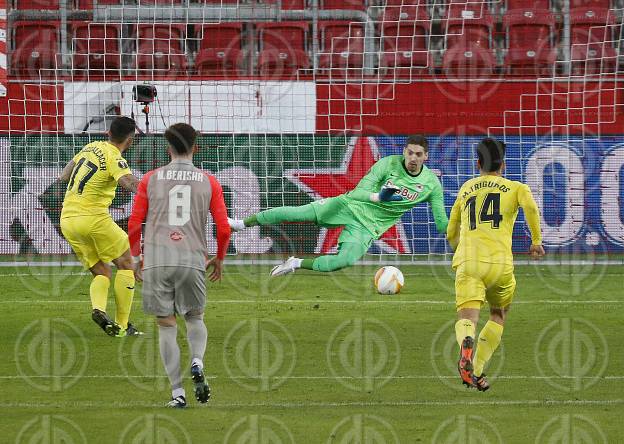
point(170, 290)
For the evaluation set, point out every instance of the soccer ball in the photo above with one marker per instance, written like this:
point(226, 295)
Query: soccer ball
point(389, 280)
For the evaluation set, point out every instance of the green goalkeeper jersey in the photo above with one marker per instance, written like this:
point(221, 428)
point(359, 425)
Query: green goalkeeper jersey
point(378, 217)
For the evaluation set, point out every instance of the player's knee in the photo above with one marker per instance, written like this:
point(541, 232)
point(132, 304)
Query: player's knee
point(166, 321)
point(194, 315)
point(498, 314)
point(101, 269)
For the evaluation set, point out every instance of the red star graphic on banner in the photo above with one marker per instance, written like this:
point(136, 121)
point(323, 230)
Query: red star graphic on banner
point(320, 183)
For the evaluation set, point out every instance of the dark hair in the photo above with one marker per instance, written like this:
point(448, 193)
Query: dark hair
point(491, 153)
point(121, 128)
point(181, 137)
point(418, 139)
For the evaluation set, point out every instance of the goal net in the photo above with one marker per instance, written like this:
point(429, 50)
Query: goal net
point(295, 105)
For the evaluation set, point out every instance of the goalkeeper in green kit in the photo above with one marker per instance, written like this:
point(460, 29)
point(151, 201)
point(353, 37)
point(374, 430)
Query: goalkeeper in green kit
point(393, 185)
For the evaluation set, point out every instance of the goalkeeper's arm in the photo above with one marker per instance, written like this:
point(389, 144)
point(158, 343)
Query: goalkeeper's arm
point(437, 208)
point(366, 189)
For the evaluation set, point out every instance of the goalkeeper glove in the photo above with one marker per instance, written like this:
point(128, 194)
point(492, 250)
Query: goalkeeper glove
point(387, 194)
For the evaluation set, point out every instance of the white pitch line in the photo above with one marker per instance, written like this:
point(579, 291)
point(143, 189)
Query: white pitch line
point(441, 263)
point(321, 301)
point(408, 403)
point(307, 377)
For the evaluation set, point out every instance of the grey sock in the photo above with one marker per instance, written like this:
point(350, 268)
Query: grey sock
point(197, 336)
point(170, 354)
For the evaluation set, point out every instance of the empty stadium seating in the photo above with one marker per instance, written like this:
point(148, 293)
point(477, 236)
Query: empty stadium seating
point(405, 37)
point(282, 48)
point(342, 45)
point(96, 49)
point(529, 41)
point(468, 61)
point(528, 4)
point(36, 4)
point(35, 44)
point(408, 35)
point(220, 49)
point(161, 49)
point(343, 4)
point(468, 27)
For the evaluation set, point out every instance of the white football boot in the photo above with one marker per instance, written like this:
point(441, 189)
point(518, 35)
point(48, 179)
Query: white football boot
point(236, 224)
point(288, 266)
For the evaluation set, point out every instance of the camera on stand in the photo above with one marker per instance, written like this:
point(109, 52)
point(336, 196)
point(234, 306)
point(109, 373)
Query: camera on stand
point(144, 94)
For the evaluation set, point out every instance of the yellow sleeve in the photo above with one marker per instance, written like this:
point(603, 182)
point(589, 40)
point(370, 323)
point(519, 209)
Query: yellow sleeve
point(118, 166)
point(452, 231)
point(531, 213)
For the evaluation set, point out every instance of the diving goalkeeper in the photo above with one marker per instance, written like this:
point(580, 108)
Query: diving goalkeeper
point(393, 186)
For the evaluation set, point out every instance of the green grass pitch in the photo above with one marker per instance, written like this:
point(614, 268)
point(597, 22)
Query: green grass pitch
point(312, 358)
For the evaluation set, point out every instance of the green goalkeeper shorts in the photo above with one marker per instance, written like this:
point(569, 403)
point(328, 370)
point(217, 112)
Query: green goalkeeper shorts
point(334, 212)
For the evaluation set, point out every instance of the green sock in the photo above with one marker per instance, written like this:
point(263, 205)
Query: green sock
point(307, 264)
point(251, 221)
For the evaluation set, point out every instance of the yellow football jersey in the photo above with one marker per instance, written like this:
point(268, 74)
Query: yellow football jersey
point(93, 181)
point(482, 219)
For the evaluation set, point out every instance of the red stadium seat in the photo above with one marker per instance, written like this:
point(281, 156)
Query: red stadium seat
point(457, 9)
point(592, 60)
point(530, 38)
point(161, 48)
point(342, 45)
point(606, 4)
point(591, 25)
point(36, 4)
point(358, 5)
point(468, 61)
point(159, 2)
point(531, 62)
point(88, 4)
point(289, 4)
point(409, 13)
point(35, 48)
point(528, 4)
point(477, 31)
point(96, 48)
point(282, 47)
point(220, 49)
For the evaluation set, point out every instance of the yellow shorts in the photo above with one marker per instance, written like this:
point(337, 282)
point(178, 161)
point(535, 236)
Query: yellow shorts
point(95, 238)
point(476, 282)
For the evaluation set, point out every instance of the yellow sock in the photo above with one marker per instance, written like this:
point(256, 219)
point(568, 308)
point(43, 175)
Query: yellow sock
point(98, 291)
point(124, 291)
point(489, 339)
point(463, 328)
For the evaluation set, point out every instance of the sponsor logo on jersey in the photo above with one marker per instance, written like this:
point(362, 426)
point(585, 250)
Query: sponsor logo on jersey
point(176, 236)
point(406, 193)
point(122, 164)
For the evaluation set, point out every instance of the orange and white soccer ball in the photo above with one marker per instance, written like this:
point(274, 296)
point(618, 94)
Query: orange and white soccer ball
point(389, 280)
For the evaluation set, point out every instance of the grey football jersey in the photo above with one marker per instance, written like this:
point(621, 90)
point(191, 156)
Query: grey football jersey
point(179, 197)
